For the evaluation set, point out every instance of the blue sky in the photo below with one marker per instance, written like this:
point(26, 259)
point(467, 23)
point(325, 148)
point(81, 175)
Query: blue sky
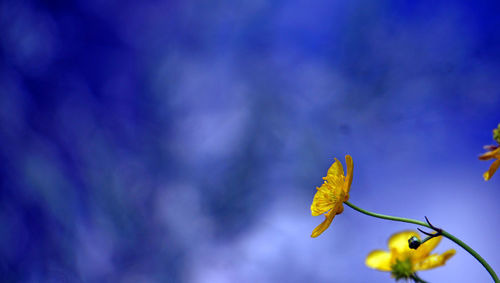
point(181, 141)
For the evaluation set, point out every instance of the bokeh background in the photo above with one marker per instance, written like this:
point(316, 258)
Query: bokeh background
point(182, 141)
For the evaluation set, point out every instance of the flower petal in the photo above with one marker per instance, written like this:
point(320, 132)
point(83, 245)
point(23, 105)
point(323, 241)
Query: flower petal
point(348, 178)
point(426, 248)
point(337, 209)
point(434, 260)
point(324, 225)
point(399, 241)
point(490, 154)
point(324, 199)
point(493, 168)
point(336, 169)
point(380, 260)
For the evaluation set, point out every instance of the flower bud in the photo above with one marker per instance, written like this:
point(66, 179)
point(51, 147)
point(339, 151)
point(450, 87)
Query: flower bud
point(414, 242)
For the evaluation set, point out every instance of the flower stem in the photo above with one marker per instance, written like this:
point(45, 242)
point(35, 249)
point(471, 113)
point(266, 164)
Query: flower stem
point(417, 279)
point(444, 233)
point(473, 253)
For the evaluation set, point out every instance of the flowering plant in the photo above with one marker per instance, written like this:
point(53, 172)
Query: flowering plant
point(408, 253)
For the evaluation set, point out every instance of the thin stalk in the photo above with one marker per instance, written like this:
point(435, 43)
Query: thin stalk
point(473, 253)
point(444, 233)
point(417, 279)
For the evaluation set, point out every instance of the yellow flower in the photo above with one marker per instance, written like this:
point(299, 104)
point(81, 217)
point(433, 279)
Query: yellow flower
point(402, 261)
point(330, 196)
point(493, 153)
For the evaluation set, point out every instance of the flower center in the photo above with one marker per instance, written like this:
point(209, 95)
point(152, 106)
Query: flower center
point(402, 269)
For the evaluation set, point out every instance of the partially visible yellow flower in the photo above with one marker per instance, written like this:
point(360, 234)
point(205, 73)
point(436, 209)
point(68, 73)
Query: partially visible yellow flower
point(402, 261)
point(493, 153)
point(330, 196)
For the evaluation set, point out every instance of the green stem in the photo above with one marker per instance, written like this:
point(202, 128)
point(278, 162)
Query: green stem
point(473, 253)
point(417, 279)
point(445, 234)
point(426, 239)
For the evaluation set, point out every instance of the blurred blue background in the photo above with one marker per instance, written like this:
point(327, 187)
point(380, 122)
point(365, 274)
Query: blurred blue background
point(182, 141)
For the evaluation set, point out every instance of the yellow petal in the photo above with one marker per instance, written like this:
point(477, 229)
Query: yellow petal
point(399, 241)
point(490, 154)
point(380, 260)
point(336, 169)
point(398, 244)
point(325, 199)
point(426, 248)
point(493, 168)
point(434, 260)
point(324, 225)
point(337, 209)
point(348, 178)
